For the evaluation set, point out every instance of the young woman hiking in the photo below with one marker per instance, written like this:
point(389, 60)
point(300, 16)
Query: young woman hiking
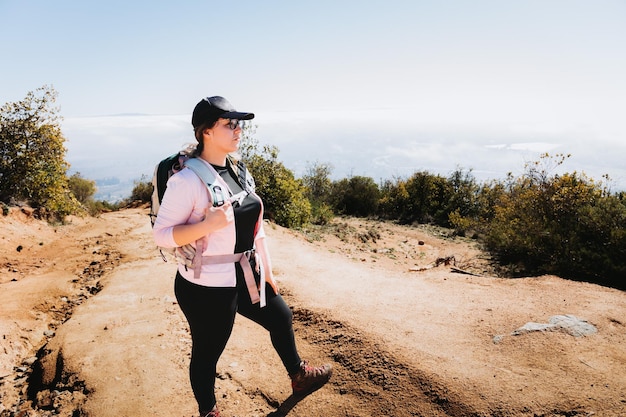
point(231, 269)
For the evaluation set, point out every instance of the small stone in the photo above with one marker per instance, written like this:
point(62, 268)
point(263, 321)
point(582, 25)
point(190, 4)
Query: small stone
point(30, 361)
point(44, 399)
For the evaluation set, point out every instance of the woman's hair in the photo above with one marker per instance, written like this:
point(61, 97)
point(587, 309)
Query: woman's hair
point(195, 149)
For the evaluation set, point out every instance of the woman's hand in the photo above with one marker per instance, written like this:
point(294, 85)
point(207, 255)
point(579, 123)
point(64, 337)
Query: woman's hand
point(215, 218)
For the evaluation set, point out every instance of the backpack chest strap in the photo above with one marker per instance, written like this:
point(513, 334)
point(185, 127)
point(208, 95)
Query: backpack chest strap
point(243, 259)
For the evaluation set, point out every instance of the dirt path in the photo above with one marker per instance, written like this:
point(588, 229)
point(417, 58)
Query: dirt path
point(90, 327)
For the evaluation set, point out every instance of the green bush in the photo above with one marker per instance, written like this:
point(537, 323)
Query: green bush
point(317, 182)
point(393, 200)
point(142, 190)
point(290, 207)
point(563, 224)
point(321, 214)
point(33, 166)
point(357, 196)
point(318, 188)
point(283, 195)
point(538, 223)
point(95, 208)
point(428, 199)
point(83, 189)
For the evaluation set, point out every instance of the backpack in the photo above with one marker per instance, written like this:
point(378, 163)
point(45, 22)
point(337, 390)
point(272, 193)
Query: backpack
point(162, 172)
point(175, 163)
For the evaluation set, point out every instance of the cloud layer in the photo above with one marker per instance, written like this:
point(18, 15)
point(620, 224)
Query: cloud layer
point(379, 144)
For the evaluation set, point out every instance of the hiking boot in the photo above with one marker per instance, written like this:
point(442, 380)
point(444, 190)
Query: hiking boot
point(213, 413)
point(310, 378)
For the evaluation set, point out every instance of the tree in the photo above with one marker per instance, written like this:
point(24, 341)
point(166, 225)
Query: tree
point(82, 188)
point(357, 196)
point(317, 181)
point(318, 188)
point(394, 199)
point(428, 197)
point(563, 224)
point(33, 166)
point(283, 195)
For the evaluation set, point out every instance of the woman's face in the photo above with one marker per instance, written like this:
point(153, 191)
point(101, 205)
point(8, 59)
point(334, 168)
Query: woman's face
point(225, 136)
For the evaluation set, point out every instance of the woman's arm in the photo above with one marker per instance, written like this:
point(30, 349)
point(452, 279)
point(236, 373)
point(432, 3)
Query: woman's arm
point(185, 215)
point(215, 218)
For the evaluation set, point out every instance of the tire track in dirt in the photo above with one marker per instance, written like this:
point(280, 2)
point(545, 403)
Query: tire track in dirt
point(366, 370)
point(66, 277)
point(65, 391)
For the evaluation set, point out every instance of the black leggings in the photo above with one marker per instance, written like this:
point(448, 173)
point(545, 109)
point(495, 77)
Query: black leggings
point(210, 312)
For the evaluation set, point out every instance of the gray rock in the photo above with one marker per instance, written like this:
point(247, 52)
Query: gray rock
point(567, 323)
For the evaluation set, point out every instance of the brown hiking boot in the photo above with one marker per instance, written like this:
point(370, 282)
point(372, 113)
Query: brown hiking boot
point(213, 413)
point(310, 378)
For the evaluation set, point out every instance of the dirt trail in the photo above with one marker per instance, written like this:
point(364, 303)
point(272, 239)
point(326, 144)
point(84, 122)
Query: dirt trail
point(90, 327)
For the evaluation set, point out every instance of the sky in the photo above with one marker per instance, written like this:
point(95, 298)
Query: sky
point(375, 88)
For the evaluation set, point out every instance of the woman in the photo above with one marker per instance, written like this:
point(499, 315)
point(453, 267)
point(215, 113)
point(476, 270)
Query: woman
point(231, 270)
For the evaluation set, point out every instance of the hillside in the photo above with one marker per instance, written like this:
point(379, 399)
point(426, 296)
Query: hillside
point(90, 327)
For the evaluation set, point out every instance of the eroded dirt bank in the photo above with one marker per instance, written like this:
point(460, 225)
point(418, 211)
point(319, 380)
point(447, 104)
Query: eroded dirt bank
point(90, 327)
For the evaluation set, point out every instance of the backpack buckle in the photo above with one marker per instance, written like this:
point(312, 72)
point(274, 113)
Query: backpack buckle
point(218, 196)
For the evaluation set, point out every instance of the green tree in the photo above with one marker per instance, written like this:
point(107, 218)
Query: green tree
point(318, 188)
point(142, 190)
point(357, 196)
point(32, 164)
point(602, 236)
point(317, 181)
point(464, 196)
point(487, 197)
point(565, 224)
point(249, 144)
point(428, 199)
point(82, 188)
point(393, 200)
point(283, 195)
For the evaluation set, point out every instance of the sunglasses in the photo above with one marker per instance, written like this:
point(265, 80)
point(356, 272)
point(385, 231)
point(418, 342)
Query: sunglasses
point(235, 123)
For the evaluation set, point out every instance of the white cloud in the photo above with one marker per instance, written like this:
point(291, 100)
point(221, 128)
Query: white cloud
point(354, 143)
point(536, 147)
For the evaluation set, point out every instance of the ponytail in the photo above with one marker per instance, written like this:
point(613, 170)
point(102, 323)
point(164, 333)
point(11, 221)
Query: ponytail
point(195, 151)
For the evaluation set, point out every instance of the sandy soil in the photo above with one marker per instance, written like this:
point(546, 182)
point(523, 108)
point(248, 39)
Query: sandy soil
point(90, 327)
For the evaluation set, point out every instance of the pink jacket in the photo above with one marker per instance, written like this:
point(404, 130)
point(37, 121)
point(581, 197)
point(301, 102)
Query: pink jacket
point(184, 202)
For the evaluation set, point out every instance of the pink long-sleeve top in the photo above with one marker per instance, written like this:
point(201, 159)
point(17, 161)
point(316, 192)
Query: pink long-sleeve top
point(184, 202)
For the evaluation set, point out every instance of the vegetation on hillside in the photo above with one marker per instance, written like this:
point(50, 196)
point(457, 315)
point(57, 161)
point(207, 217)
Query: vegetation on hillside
point(540, 222)
point(284, 196)
point(33, 166)
point(537, 223)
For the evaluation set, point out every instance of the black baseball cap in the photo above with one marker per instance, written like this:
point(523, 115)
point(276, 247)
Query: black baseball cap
point(209, 109)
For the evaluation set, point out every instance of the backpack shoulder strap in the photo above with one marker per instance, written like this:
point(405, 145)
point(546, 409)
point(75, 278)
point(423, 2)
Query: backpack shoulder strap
point(164, 171)
point(244, 176)
point(208, 176)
